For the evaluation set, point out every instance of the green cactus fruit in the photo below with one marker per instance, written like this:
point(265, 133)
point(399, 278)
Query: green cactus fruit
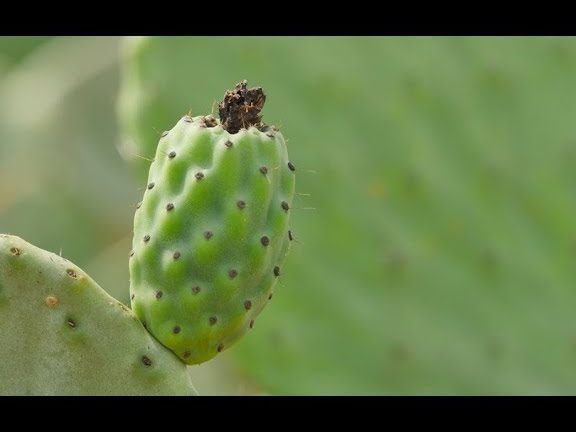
point(64, 335)
point(211, 232)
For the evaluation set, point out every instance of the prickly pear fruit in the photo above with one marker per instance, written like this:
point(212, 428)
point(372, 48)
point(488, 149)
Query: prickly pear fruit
point(211, 232)
point(64, 335)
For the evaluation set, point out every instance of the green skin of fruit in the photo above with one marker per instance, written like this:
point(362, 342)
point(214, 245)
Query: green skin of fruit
point(210, 235)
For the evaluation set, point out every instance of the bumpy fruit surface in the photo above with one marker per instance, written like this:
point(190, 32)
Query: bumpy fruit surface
point(210, 234)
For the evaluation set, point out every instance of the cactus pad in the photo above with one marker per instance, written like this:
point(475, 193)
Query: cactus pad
point(63, 335)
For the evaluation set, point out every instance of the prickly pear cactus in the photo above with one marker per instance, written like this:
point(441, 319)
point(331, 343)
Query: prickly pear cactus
point(211, 233)
point(64, 335)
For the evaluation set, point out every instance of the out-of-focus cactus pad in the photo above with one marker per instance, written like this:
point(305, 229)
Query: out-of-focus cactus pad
point(441, 257)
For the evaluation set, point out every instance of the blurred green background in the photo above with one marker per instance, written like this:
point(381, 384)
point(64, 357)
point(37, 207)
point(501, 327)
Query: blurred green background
point(435, 229)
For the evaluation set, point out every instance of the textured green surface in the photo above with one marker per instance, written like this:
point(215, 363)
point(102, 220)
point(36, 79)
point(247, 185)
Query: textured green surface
point(210, 235)
point(63, 335)
point(440, 258)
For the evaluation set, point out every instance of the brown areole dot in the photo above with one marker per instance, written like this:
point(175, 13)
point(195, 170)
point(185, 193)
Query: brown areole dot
point(150, 185)
point(264, 170)
point(15, 251)
point(220, 348)
point(159, 295)
point(186, 354)
point(247, 305)
point(196, 289)
point(176, 255)
point(146, 238)
point(132, 297)
point(241, 204)
point(291, 166)
point(208, 235)
point(176, 329)
point(290, 235)
point(71, 273)
point(163, 134)
point(172, 154)
point(132, 253)
point(210, 120)
point(169, 206)
point(232, 274)
point(270, 296)
point(71, 323)
point(199, 176)
point(146, 361)
point(276, 271)
point(265, 240)
point(212, 320)
point(139, 205)
point(285, 206)
point(228, 143)
point(251, 323)
point(270, 134)
point(51, 301)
